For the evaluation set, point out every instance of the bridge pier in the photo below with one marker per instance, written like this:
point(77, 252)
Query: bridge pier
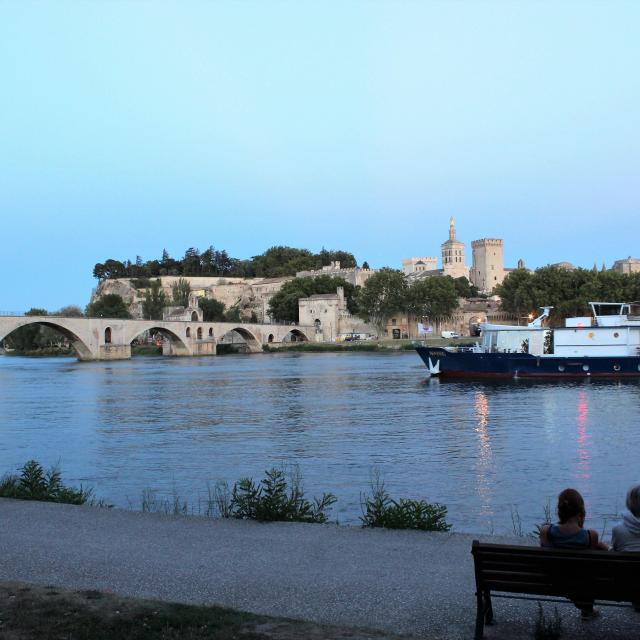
point(110, 352)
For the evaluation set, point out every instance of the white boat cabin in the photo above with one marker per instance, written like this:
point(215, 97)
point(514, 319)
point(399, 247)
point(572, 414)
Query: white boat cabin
point(612, 330)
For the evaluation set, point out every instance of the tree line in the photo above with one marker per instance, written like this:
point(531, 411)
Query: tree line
point(274, 262)
point(384, 294)
point(568, 291)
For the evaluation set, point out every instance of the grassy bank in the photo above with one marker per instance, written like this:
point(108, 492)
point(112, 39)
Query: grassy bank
point(45, 352)
point(29, 612)
point(364, 346)
point(146, 350)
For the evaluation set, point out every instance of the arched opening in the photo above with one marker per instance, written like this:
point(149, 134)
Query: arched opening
point(199, 333)
point(157, 340)
point(107, 335)
point(211, 332)
point(270, 338)
point(37, 335)
point(238, 340)
point(188, 332)
point(194, 316)
point(295, 335)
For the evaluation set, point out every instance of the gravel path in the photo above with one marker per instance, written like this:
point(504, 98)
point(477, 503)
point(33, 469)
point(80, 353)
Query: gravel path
point(395, 581)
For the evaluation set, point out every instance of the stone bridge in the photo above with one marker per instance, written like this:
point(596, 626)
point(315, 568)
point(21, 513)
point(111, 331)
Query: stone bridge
point(111, 338)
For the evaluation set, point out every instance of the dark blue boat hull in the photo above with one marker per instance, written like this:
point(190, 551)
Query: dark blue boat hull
point(466, 364)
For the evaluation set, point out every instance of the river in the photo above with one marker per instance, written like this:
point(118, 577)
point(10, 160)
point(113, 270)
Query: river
point(493, 453)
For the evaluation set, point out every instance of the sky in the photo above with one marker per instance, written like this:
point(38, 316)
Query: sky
point(127, 127)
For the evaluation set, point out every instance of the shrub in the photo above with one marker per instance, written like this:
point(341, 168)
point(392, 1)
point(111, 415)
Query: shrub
point(272, 499)
point(380, 510)
point(34, 483)
point(548, 629)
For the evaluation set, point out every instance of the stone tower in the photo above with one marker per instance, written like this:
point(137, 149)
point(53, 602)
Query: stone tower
point(487, 269)
point(453, 255)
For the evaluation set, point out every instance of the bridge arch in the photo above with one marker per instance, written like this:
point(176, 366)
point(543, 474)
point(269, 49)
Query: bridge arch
point(252, 342)
point(79, 345)
point(295, 335)
point(177, 342)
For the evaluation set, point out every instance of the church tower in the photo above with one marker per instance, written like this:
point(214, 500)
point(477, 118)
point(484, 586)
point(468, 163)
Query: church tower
point(453, 255)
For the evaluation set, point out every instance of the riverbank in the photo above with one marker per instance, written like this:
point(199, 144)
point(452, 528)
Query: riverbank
point(364, 345)
point(394, 582)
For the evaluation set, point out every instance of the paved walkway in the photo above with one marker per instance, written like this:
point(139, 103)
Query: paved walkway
point(396, 581)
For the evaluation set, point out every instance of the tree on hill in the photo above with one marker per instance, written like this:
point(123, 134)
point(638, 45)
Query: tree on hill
point(154, 302)
point(283, 306)
point(212, 310)
point(383, 295)
point(180, 291)
point(108, 306)
point(69, 311)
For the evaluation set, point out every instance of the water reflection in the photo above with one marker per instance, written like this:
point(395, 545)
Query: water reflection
point(176, 424)
point(584, 441)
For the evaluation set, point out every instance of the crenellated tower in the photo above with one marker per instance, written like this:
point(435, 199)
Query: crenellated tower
point(487, 268)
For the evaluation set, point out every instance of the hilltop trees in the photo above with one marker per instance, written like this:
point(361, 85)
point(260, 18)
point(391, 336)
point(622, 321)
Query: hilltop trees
point(274, 262)
point(180, 291)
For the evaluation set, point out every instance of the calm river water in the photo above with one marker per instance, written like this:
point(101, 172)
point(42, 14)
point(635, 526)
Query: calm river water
point(174, 425)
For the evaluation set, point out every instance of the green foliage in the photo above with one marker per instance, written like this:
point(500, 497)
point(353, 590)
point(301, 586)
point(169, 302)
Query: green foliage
point(180, 291)
point(380, 510)
point(69, 311)
point(212, 310)
point(568, 291)
point(433, 298)
point(154, 301)
point(382, 295)
point(109, 306)
point(141, 283)
point(273, 499)
point(275, 262)
point(464, 289)
point(233, 314)
point(34, 483)
point(283, 306)
point(548, 628)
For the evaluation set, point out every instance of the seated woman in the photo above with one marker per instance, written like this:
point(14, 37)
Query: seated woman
point(570, 533)
point(626, 535)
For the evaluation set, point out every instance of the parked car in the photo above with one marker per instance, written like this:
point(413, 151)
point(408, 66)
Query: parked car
point(449, 334)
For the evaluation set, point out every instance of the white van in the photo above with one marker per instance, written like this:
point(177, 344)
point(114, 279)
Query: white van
point(449, 334)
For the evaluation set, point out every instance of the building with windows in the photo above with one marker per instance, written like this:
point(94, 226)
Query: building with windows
point(487, 268)
point(628, 265)
point(419, 265)
point(453, 255)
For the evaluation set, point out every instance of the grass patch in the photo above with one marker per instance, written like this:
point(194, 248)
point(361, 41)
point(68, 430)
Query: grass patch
point(146, 350)
point(49, 613)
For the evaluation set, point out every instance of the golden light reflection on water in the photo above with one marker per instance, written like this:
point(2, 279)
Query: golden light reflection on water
point(485, 453)
point(583, 471)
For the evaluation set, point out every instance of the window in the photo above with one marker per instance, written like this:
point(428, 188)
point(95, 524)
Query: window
point(199, 333)
point(107, 335)
point(393, 320)
point(188, 332)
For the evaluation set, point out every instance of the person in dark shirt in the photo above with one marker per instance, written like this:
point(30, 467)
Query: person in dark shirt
point(570, 533)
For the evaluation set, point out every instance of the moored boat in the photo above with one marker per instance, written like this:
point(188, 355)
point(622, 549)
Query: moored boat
point(604, 345)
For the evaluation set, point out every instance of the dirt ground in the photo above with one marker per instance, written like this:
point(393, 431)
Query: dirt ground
point(29, 612)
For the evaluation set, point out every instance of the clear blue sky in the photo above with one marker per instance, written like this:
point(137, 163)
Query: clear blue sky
point(127, 127)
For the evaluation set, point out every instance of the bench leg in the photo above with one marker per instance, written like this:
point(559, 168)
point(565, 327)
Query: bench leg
point(488, 608)
point(479, 616)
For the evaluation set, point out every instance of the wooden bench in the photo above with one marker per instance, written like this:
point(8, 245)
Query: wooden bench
point(581, 576)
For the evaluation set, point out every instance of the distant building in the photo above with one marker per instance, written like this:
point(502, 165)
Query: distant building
point(563, 265)
point(453, 255)
point(419, 265)
point(487, 270)
point(628, 265)
point(331, 317)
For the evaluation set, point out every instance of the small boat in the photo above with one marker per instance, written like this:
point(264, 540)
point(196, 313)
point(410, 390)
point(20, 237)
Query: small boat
point(605, 345)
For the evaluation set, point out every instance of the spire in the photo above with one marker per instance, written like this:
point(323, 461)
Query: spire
point(452, 229)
